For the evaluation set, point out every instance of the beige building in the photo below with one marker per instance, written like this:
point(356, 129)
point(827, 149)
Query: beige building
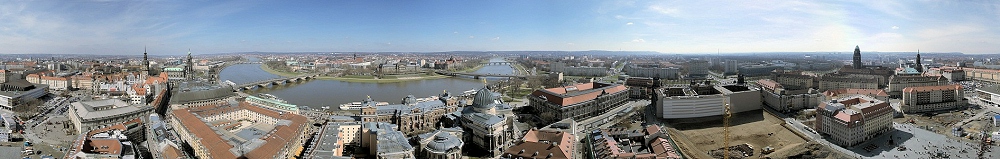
point(988, 75)
point(90, 115)
point(411, 116)
point(231, 129)
point(852, 120)
point(842, 93)
point(794, 81)
point(55, 83)
point(780, 99)
point(580, 101)
point(829, 82)
point(898, 83)
point(933, 98)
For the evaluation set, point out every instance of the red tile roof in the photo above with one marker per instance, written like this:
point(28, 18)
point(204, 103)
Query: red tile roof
point(540, 144)
point(280, 137)
point(556, 95)
point(769, 84)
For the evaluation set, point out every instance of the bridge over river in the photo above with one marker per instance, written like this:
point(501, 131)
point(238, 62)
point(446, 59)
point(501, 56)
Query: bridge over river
point(270, 82)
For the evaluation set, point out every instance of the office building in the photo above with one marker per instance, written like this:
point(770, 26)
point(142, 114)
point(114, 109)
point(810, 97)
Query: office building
point(237, 129)
point(90, 115)
point(579, 101)
point(780, 99)
point(705, 100)
point(898, 83)
point(852, 120)
point(830, 82)
point(933, 98)
point(988, 96)
point(634, 70)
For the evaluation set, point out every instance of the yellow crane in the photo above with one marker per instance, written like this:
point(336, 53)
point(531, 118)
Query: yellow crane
point(725, 129)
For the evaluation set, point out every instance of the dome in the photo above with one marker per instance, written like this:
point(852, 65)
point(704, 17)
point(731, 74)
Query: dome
point(442, 142)
point(484, 97)
point(445, 96)
point(410, 99)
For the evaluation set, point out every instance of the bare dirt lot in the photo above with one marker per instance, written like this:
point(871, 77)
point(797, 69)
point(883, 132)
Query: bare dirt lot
point(942, 123)
point(696, 137)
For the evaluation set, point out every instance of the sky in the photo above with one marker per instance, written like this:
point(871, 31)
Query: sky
point(112, 27)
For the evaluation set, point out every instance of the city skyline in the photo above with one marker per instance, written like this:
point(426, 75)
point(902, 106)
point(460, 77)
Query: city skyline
point(171, 28)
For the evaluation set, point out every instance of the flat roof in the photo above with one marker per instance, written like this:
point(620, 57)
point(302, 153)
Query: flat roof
point(990, 89)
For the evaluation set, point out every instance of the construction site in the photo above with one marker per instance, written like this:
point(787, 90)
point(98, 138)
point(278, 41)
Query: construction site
point(752, 134)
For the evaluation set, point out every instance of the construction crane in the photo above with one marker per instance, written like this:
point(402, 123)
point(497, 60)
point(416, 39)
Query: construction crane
point(725, 129)
point(984, 140)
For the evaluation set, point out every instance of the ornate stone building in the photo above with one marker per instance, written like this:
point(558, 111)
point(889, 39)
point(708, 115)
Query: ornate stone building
point(411, 116)
point(489, 123)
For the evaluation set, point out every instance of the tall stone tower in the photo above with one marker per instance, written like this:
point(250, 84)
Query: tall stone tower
point(857, 57)
point(189, 67)
point(145, 62)
point(919, 67)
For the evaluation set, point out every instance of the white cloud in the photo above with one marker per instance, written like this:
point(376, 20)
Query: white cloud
point(895, 27)
point(472, 37)
point(570, 44)
point(638, 41)
point(496, 38)
point(629, 23)
point(666, 11)
point(456, 32)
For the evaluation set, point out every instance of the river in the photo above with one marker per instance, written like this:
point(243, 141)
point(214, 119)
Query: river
point(318, 93)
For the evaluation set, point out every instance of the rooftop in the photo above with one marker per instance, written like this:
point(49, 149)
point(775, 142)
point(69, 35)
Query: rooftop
point(933, 88)
point(851, 109)
point(569, 95)
point(266, 146)
point(990, 89)
point(105, 108)
point(543, 144)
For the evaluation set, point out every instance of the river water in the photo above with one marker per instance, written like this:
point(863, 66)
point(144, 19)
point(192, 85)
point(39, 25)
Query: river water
point(318, 93)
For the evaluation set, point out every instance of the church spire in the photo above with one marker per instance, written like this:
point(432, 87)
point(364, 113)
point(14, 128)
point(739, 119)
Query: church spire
point(145, 61)
point(919, 67)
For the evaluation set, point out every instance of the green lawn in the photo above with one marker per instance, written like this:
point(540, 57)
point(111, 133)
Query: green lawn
point(279, 73)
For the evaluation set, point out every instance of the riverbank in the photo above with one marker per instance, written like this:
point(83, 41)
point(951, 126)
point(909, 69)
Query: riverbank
point(276, 72)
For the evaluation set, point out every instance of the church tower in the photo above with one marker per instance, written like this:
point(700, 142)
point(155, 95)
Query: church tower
point(919, 67)
point(145, 62)
point(857, 57)
point(189, 67)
